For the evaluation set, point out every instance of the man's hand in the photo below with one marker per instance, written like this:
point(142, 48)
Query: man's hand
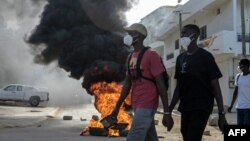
point(114, 113)
point(168, 121)
point(230, 109)
point(221, 122)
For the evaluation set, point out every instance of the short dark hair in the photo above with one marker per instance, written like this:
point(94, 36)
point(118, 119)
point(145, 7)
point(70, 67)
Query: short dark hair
point(245, 62)
point(193, 27)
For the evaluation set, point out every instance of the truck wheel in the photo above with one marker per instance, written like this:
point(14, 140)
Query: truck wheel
point(34, 101)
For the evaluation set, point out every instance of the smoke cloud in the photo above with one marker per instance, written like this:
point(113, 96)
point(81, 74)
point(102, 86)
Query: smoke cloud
point(16, 61)
point(21, 9)
point(108, 14)
point(85, 37)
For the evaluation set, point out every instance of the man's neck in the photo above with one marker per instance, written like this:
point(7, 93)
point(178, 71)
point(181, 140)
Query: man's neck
point(138, 47)
point(246, 73)
point(192, 49)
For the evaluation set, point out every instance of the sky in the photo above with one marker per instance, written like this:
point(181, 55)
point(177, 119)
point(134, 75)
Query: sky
point(144, 7)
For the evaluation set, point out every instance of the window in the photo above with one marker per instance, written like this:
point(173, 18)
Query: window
point(10, 88)
point(177, 44)
point(239, 37)
point(19, 88)
point(203, 31)
point(218, 11)
point(170, 56)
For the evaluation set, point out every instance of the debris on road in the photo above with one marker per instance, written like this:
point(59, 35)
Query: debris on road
point(67, 117)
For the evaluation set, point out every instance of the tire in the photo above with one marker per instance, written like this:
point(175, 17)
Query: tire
point(34, 101)
point(67, 117)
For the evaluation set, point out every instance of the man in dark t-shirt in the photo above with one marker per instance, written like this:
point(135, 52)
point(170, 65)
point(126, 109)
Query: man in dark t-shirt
point(197, 77)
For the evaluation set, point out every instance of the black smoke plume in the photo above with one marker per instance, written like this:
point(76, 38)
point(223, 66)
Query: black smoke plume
point(84, 36)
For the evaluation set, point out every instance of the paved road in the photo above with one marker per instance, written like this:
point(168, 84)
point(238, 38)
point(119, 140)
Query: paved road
point(22, 115)
point(54, 128)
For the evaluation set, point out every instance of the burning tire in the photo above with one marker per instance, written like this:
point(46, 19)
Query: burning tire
point(98, 131)
point(34, 101)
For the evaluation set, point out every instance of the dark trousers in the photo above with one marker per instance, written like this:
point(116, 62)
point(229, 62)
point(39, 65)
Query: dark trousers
point(193, 124)
point(243, 116)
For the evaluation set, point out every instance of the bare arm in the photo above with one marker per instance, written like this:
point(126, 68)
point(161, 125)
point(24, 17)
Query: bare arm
point(218, 97)
point(125, 91)
point(162, 91)
point(167, 118)
point(176, 97)
point(235, 95)
point(217, 94)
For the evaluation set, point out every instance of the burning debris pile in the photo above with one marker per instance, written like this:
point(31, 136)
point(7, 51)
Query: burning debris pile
point(85, 37)
point(106, 95)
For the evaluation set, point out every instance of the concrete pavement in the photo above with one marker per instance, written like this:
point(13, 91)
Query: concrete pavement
point(23, 116)
point(59, 129)
point(231, 117)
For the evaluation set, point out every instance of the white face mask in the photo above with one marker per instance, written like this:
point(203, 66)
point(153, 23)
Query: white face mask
point(185, 42)
point(128, 40)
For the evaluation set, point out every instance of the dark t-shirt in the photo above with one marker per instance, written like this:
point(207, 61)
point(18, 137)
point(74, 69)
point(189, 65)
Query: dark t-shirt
point(195, 73)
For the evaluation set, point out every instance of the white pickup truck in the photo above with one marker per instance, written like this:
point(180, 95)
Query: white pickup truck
point(18, 92)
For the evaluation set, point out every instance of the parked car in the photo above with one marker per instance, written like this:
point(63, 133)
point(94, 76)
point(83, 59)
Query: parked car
point(18, 92)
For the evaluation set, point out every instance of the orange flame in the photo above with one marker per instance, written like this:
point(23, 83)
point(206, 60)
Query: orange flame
point(106, 96)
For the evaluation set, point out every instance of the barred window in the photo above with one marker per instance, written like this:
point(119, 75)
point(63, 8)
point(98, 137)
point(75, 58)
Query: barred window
point(170, 56)
point(177, 44)
point(203, 31)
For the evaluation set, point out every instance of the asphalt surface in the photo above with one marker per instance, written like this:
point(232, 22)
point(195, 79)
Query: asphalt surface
point(48, 124)
point(25, 123)
point(21, 115)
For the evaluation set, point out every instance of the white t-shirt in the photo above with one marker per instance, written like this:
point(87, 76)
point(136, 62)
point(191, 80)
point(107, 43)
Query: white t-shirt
point(243, 83)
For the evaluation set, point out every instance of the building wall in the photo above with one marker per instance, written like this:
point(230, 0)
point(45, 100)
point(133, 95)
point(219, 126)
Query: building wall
point(225, 46)
point(223, 66)
point(206, 16)
point(152, 22)
point(222, 18)
point(170, 48)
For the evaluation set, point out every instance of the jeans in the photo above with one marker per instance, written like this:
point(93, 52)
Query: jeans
point(243, 116)
point(193, 124)
point(143, 127)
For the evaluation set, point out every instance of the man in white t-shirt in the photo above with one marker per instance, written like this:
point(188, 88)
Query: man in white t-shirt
point(242, 93)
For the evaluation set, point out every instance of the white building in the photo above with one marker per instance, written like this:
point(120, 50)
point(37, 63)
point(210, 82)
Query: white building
point(220, 24)
point(153, 22)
